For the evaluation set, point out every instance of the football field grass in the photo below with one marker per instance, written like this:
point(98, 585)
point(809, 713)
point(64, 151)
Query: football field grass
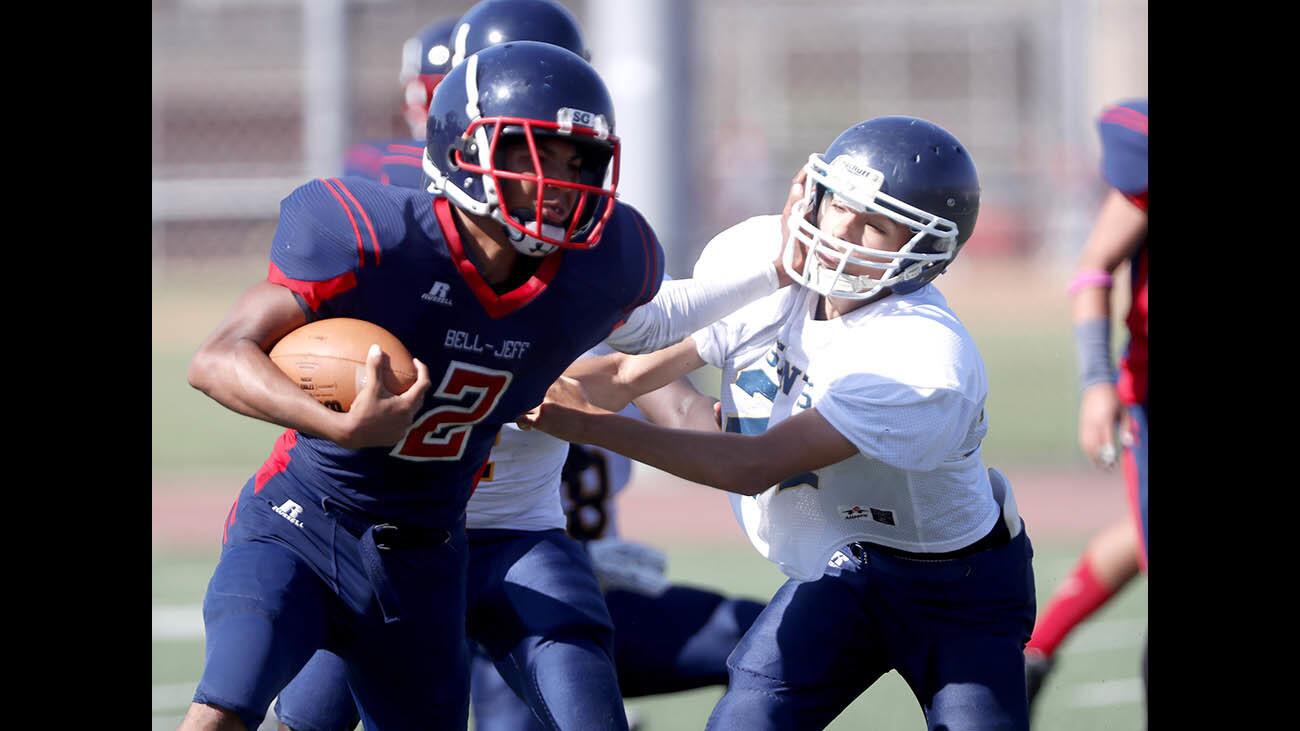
point(1095, 684)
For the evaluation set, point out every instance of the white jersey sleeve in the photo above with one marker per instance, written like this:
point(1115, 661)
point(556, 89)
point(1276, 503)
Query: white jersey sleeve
point(756, 239)
point(684, 305)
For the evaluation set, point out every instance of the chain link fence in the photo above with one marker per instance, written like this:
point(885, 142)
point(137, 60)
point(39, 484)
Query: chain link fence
point(770, 82)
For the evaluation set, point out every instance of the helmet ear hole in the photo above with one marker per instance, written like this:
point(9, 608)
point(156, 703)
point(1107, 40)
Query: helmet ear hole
point(451, 157)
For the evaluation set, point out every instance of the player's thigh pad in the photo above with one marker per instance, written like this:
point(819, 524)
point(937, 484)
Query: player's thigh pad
point(811, 651)
point(264, 614)
point(533, 584)
point(537, 610)
point(677, 640)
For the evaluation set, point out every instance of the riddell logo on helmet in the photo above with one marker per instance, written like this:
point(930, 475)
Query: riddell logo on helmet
point(855, 179)
point(849, 166)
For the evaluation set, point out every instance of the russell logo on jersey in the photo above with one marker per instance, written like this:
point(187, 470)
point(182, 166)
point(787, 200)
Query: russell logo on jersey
point(438, 295)
point(876, 514)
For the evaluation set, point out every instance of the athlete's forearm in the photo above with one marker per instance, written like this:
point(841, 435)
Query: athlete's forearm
point(239, 376)
point(1118, 231)
point(683, 306)
point(741, 463)
point(679, 406)
point(730, 462)
point(613, 381)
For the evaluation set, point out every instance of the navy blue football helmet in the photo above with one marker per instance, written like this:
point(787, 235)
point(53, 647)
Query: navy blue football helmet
point(912, 171)
point(426, 59)
point(524, 91)
point(491, 22)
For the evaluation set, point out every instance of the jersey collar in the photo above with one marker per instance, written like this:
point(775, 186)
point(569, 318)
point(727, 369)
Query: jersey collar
point(496, 306)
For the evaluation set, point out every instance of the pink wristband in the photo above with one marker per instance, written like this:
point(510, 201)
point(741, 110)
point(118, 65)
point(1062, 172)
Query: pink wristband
point(1093, 278)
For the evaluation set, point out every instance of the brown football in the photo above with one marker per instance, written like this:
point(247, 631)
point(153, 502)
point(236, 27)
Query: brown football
point(327, 359)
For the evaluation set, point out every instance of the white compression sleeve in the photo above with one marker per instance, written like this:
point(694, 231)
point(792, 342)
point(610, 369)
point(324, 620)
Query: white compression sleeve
point(683, 306)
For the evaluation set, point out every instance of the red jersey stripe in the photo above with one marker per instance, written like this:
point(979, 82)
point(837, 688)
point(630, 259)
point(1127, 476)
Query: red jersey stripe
point(414, 162)
point(1125, 117)
point(365, 157)
point(230, 520)
point(313, 292)
point(374, 240)
point(278, 461)
point(361, 250)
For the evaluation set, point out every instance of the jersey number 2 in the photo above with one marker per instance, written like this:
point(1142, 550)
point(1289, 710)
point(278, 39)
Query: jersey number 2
point(441, 432)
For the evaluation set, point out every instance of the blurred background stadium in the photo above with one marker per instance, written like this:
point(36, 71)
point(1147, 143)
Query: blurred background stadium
point(718, 103)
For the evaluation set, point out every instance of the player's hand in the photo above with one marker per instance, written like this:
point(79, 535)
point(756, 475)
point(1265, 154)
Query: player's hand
point(717, 413)
point(564, 414)
point(793, 199)
point(1099, 415)
point(379, 418)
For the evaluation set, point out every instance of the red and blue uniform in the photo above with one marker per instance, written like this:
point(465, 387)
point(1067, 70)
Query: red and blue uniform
point(559, 628)
point(562, 612)
point(1123, 129)
point(363, 552)
point(391, 162)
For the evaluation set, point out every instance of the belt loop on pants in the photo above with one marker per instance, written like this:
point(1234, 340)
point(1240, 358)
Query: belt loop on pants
point(374, 563)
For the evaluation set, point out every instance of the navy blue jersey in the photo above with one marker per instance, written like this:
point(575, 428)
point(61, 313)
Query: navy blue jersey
point(349, 247)
point(391, 162)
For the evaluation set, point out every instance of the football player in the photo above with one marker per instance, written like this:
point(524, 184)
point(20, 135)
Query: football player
point(426, 59)
point(1119, 234)
point(432, 52)
point(516, 535)
point(854, 409)
point(351, 536)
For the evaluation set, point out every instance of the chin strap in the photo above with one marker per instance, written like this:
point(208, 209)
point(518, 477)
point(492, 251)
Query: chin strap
point(523, 243)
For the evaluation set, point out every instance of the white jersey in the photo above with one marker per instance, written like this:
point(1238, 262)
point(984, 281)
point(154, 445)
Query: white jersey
point(900, 378)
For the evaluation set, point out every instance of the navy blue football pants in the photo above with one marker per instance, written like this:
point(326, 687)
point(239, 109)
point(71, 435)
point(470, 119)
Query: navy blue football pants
point(955, 631)
point(675, 641)
point(293, 578)
point(534, 609)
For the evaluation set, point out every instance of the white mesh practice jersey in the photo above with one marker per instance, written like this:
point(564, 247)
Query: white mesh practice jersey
point(900, 378)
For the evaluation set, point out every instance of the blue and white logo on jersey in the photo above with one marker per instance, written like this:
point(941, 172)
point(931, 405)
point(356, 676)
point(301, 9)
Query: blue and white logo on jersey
point(290, 512)
point(438, 294)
